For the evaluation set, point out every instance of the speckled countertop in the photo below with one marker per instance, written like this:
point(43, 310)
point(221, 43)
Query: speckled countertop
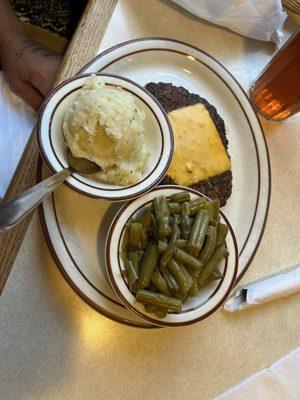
point(54, 346)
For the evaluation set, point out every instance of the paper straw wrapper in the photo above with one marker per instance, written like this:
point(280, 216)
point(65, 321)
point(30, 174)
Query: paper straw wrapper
point(280, 284)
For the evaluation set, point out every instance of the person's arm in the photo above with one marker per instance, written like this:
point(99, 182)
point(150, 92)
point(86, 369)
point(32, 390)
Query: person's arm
point(28, 67)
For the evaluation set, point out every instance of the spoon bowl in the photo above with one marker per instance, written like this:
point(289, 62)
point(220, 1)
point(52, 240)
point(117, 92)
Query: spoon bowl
point(81, 165)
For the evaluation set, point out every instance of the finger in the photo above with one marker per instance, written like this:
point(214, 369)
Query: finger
point(43, 82)
point(29, 94)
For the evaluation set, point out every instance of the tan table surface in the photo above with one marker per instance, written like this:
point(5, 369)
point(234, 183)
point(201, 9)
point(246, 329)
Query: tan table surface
point(54, 346)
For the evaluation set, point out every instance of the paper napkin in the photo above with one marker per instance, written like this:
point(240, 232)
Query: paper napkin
point(262, 20)
point(280, 284)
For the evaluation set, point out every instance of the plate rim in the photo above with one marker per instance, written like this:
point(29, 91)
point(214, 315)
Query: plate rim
point(76, 289)
point(268, 168)
point(47, 159)
point(113, 280)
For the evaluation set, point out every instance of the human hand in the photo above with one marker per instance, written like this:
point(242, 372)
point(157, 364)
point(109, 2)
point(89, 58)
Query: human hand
point(29, 68)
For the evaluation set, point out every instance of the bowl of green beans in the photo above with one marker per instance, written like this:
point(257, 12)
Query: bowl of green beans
point(171, 256)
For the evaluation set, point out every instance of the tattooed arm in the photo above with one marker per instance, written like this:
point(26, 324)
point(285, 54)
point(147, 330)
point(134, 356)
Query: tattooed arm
point(28, 67)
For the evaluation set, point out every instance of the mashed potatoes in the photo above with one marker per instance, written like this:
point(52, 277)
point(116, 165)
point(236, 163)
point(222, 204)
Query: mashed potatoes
point(105, 125)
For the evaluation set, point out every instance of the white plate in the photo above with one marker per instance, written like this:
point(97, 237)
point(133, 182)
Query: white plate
point(158, 138)
point(75, 231)
point(209, 298)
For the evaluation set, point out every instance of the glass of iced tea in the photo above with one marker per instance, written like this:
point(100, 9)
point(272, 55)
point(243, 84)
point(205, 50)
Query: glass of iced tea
point(276, 93)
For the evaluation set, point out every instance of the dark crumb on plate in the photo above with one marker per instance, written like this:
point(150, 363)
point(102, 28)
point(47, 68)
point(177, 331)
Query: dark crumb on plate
point(173, 97)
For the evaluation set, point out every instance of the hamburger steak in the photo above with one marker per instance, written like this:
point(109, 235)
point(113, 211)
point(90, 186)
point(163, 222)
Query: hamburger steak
point(174, 97)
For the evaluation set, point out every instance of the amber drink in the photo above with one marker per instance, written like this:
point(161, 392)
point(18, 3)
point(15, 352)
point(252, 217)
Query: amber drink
point(276, 92)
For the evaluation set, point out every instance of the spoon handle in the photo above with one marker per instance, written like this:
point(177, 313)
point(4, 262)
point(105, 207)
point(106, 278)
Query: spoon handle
point(14, 211)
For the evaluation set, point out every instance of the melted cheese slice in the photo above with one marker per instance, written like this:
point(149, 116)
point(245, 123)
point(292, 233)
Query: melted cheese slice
point(199, 152)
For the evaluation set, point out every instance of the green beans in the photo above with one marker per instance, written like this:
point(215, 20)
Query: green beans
point(160, 283)
point(149, 263)
point(170, 281)
point(194, 287)
point(216, 275)
point(182, 256)
point(181, 243)
point(159, 312)
point(131, 273)
point(213, 263)
point(159, 300)
point(125, 240)
point(161, 247)
point(174, 207)
point(185, 221)
point(188, 276)
point(162, 214)
point(187, 259)
point(222, 231)
point(154, 227)
point(152, 287)
point(135, 257)
point(171, 249)
point(144, 218)
point(181, 276)
point(213, 209)
point(209, 245)
point(196, 204)
point(180, 197)
point(198, 232)
point(135, 235)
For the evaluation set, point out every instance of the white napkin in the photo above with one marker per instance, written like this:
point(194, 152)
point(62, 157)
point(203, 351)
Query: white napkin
point(280, 284)
point(280, 381)
point(16, 123)
point(258, 19)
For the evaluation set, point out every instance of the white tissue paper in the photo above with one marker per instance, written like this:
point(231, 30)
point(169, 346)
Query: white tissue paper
point(257, 19)
point(280, 284)
point(16, 123)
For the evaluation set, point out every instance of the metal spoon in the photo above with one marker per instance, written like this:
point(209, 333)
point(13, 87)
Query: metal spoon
point(12, 212)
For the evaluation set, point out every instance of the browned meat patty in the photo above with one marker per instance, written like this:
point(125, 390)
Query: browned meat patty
point(173, 97)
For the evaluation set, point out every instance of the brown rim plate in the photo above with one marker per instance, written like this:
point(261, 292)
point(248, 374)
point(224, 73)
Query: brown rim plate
point(167, 60)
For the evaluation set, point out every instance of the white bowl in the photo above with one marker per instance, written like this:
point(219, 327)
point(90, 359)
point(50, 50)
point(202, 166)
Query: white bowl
point(158, 136)
point(208, 300)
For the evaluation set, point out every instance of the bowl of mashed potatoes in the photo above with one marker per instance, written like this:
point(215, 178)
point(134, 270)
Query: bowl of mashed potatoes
point(113, 122)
